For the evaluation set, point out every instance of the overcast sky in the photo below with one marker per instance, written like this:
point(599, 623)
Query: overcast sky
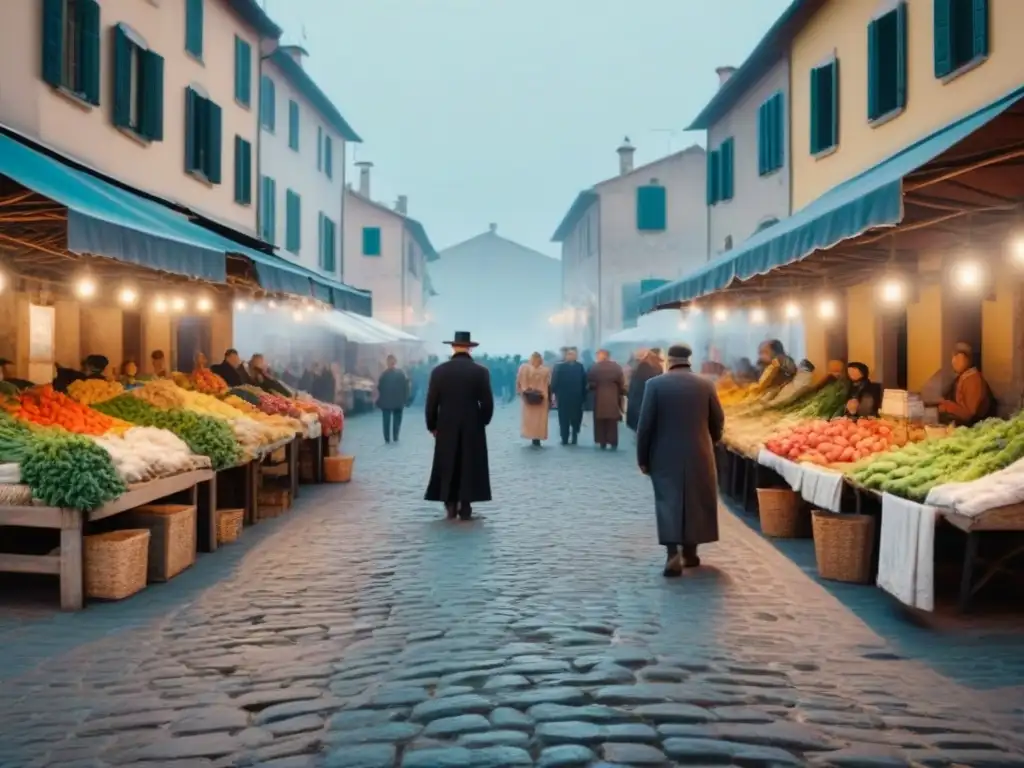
point(502, 110)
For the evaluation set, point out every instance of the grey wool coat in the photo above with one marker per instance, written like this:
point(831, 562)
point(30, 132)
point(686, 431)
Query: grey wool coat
point(680, 421)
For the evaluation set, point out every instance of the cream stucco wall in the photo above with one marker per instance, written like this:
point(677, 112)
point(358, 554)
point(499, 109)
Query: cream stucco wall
point(840, 28)
point(87, 133)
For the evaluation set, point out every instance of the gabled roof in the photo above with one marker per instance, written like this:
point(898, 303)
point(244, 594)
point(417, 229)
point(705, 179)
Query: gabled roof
point(772, 47)
point(304, 84)
point(492, 238)
point(415, 229)
point(588, 197)
point(251, 12)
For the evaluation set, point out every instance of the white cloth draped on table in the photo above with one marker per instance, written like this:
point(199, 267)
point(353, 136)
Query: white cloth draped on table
point(822, 487)
point(906, 559)
point(790, 471)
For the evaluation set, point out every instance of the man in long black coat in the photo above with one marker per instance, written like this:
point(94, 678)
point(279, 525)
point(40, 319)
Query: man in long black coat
point(460, 405)
point(648, 367)
point(569, 385)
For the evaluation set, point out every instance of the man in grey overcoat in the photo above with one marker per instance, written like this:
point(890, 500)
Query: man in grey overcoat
point(681, 419)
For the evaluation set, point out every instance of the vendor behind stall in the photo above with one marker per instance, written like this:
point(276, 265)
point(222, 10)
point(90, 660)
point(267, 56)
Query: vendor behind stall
point(970, 398)
point(863, 396)
point(129, 373)
point(231, 369)
point(158, 364)
point(260, 377)
point(779, 367)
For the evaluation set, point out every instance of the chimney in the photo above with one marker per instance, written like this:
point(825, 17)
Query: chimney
point(493, 227)
point(724, 73)
point(296, 52)
point(364, 167)
point(625, 157)
point(402, 204)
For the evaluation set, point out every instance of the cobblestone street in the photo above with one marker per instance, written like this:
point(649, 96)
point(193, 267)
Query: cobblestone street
point(364, 631)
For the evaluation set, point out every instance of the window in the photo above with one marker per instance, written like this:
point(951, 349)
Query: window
point(292, 222)
point(138, 86)
point(319, 148)
point(243, 171)
point(202, 137)
point(328, 243)
point(268, 209)
point(410, 258)
point(961, 34)
point(371, 241)
point(825, 107)
point(650, 208)
point(328, 157)
point(293, 125)
point(243, 72)
point(720, 172)
point(771, 135)
point(887, 63)
point(194, 27)
point(71, 47)
point(268, 106)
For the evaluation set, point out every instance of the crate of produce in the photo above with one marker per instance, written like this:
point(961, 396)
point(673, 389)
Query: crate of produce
point(779, 510)
point(843, 545)
point(172, 542)
point(275, 497)
point(338, 469)
point(115, 563)
point(229, 525)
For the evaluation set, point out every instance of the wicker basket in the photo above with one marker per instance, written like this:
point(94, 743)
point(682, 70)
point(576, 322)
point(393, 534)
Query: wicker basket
point(779, 510)
point(338, 469)
point(843, 545)
point(229, 525)
point(172, 544)
point(115, 563)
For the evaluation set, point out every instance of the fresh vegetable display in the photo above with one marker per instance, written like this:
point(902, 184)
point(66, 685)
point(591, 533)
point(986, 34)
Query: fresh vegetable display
point(331, 416)
point(967, 454)
point(47, 407)
point(204, 435)
point(206, 381)
point(66, 470)
point(833, 442)
point(89, 391)
point(281, 406)
point(146, 453)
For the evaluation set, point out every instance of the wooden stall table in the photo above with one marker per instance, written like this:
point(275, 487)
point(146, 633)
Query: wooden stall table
point(229, 488)
point(68, 565)
point(1009, 519)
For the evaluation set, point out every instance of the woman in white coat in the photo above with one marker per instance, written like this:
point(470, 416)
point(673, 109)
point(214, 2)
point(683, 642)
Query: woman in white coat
point(533, 385)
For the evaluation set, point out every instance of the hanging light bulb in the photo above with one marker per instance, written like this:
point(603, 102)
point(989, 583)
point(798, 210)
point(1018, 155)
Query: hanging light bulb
point(272, 304)
point(160, 305)
point(240, 305)
point(204, 304)
point(3, 281)
point(892, 291)
point(297, 315)
point(757, 316)
point(86, 288)
point(792, 310)
point(694, 310)
point(968, 275)
point(127, 296)
point(721, 315)
point(177, 304)
point(826, 309)
point(1017, 250)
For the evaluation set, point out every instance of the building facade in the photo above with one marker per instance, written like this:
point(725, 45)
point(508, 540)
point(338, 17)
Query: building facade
point(624, 235)
point(300, 197)
point(387, 252)
point(157, 95)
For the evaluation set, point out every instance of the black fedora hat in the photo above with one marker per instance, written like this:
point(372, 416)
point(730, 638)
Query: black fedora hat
point(462, 339)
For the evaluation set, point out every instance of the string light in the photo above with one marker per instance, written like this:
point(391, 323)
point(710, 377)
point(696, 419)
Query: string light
point(3, 281)
point(297, 315)
point(127, 296)
point(826, 309)
point(892, 291)
point(86, 288)
point(177, 304)
point(272, 304)
point(968, 274)
point(757, 316)
point(160, 305)
point(792, 310)
point(240, 305)
point(1017, 250)
point(721, 314)
point(204, 305)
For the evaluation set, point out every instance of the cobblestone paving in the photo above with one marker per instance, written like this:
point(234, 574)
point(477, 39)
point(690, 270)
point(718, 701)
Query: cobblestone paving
point(365, 632)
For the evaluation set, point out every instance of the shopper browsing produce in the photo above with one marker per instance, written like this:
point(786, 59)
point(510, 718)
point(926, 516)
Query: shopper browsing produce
point(970, 399)
point(777, 367)
point(863, 396)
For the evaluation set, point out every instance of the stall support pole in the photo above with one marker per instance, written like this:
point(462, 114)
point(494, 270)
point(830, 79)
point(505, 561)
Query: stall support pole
point(206, 515)
point(318, 461)
point(71, 565)
point(967, 576)
point(252, 492)
point(292, 453)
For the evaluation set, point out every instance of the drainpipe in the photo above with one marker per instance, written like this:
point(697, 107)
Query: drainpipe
point(403, 267)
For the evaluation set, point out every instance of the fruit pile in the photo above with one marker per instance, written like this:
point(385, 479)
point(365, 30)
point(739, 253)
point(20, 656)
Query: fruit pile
point(89, 391)
point(206, 381)
point(49, 408)
point(839, 441)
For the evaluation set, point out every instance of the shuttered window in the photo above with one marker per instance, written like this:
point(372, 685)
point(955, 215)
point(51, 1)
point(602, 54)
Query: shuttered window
point(328, 244)
point(243, 171)
point(71, 47)
point(292, 222)
point(319, 148)
point(727, 169)
point(887, 63)
point(771, 135)
point(371, 241)
point(293, 125)
point(328, 157)
point(268, 209)
point(138, 87)
point(825, 107)
point(194, 27)
point(268, 104)
point(961, 34)
point(202, 136)
point(713, 177)
point(650, 208)
point(243, 72)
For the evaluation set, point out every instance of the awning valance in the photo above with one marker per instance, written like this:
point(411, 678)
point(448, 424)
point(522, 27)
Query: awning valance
point(872, 199)
point(362, 330)
point(105, 220)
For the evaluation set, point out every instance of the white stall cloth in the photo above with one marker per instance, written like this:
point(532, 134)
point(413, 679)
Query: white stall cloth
point(906, 560)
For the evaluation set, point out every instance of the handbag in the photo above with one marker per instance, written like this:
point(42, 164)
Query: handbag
point(533, 397)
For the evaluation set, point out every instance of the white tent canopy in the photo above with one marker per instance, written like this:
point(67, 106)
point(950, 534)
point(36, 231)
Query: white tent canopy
point(362, 330)
point(653, 329)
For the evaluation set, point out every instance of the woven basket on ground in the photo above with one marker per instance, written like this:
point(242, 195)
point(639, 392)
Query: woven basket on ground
point(172, 544)
point(338, 469)
point(843, 545)
point(779, 510)
point(115, 563)
point(229, 525)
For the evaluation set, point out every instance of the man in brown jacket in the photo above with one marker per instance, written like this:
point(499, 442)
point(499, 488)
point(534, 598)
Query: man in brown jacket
point(972, 399)
point(608, 383)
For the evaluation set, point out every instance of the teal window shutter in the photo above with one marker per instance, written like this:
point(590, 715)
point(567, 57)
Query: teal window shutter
point(887, 62)
point(320, 235)
point(293, 222)
point(763, 138)
point(777, 114)
point(712, 177)
point(53, 42)
point(825, 107)
point(268, 106)
point(371, 241)
point(650, 208)
point(293, 125)
point(833, 74)
point(213, 143)
point(268, 206)
point(88, 13)
point(873, 71)
point(191, 137)
point(319, 148)
point(815, 112)
point(243, 171)
point(328, 157)
point(151, 110)
point(942, 32)
point(328, 243)
point(243, 72)
point(122, 78)
point(194, 27)
point(901, 56)
point(726, 168)
point(979, 23)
